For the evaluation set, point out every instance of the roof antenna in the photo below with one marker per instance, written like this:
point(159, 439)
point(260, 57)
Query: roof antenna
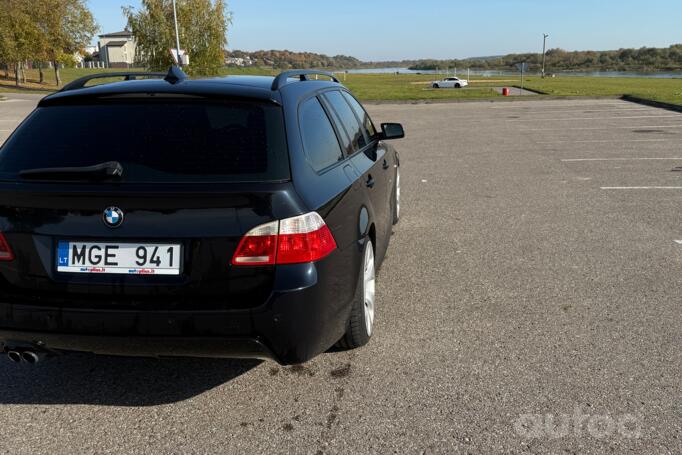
point(177, 34)
point(175, 75)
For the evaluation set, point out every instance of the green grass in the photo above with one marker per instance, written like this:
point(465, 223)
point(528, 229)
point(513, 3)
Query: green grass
point(409, 87)
point(248, 72)
point(387, 87)
point(50, 85)
point(664, 90)
point(413, 87)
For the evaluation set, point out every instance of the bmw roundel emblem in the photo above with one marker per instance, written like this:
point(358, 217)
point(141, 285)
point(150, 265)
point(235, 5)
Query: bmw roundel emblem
point(113, 217)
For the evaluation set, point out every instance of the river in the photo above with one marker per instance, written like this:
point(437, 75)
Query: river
point(493, 73)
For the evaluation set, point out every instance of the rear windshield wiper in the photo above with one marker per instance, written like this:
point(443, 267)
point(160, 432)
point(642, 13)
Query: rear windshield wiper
point(103, 171)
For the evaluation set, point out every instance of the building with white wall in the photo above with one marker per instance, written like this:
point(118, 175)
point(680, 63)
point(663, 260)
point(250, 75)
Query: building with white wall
point(117, 50)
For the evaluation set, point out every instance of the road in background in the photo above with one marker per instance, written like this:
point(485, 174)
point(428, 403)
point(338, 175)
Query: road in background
point(13, 110)
point(534, 280)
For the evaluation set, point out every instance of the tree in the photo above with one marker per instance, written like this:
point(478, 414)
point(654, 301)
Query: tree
point(203, 33)
point(19, 35)
point(67, 26)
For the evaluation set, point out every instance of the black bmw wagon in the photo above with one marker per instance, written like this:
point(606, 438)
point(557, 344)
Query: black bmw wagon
point(163, 216)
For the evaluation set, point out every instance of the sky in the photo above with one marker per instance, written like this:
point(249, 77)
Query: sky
point(374, 30)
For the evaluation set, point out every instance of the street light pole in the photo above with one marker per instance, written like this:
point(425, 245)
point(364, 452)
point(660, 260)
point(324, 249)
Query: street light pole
point(177, 34)
point(544, 52)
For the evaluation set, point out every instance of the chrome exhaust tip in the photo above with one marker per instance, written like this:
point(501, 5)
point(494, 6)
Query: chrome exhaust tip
point(31, 357)
point(14, 356)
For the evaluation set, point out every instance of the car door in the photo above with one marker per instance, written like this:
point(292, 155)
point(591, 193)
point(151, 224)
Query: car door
point(327, 182)
point(388, 161)
point(369, 158)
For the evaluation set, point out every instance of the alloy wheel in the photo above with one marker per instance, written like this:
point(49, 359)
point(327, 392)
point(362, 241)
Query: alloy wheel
point(369, 287)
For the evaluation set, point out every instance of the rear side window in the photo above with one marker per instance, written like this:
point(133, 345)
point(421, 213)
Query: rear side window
point(347, 119)
point(155, 141)
point(319, 139)
point(362, 115)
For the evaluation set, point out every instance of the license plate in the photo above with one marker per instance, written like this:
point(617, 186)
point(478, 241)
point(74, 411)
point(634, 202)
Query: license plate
point(119, 258)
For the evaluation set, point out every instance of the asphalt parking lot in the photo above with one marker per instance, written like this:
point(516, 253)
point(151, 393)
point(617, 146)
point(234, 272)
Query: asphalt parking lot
point(530, 303)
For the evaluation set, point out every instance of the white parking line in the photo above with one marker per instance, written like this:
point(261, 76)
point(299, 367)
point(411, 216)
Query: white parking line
point(593, 118)
point(528, 105)
point(603, 141)
point(534, 115)
point(539, 112)
point(635, 127)
point(573, 160)
point(590, 111)
point(641, 187)
point(587, 111)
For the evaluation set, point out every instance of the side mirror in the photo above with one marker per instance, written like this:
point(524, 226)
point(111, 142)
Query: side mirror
point(392, 131)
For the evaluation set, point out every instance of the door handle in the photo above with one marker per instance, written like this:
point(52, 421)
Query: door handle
point(385, 165)
point(370, 182)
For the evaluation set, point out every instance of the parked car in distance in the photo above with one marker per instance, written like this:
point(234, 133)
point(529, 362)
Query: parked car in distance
point(163, 216)
point(450, 82)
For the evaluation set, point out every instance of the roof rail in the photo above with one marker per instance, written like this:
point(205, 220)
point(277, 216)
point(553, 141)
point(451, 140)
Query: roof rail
point(281, 80)
point(80, 83)
point(173, 76)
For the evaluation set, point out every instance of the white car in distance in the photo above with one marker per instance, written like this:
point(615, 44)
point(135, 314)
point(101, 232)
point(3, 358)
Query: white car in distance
point(450, 82)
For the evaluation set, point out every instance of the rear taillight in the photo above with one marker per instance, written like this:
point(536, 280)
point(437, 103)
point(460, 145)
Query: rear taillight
point(258, 247)
point(304, 238)
point(6, 253)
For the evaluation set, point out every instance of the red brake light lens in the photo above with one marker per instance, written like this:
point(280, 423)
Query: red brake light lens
point(258, 246)
point(304, 239)
point(6, 253)
point(296, 240)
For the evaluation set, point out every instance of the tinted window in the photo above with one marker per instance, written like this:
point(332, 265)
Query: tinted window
point(347, 119)
point(319, 139)
point(155, 141)
point(361, 114)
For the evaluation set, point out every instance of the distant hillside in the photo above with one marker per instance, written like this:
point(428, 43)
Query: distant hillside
point(285, 59)
point(644, 59)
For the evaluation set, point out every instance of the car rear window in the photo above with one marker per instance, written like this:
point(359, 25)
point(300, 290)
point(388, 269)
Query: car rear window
point(155, 141)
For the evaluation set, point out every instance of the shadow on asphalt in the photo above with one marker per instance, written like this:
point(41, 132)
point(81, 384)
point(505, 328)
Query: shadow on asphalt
point(114, 381)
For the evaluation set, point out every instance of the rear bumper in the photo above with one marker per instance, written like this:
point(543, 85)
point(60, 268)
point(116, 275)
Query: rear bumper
point(140, 346)
point(305, 315)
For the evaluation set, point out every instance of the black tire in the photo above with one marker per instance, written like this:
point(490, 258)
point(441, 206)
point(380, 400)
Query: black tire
point(435, 86)
point(356, 328)
point(458, 86)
